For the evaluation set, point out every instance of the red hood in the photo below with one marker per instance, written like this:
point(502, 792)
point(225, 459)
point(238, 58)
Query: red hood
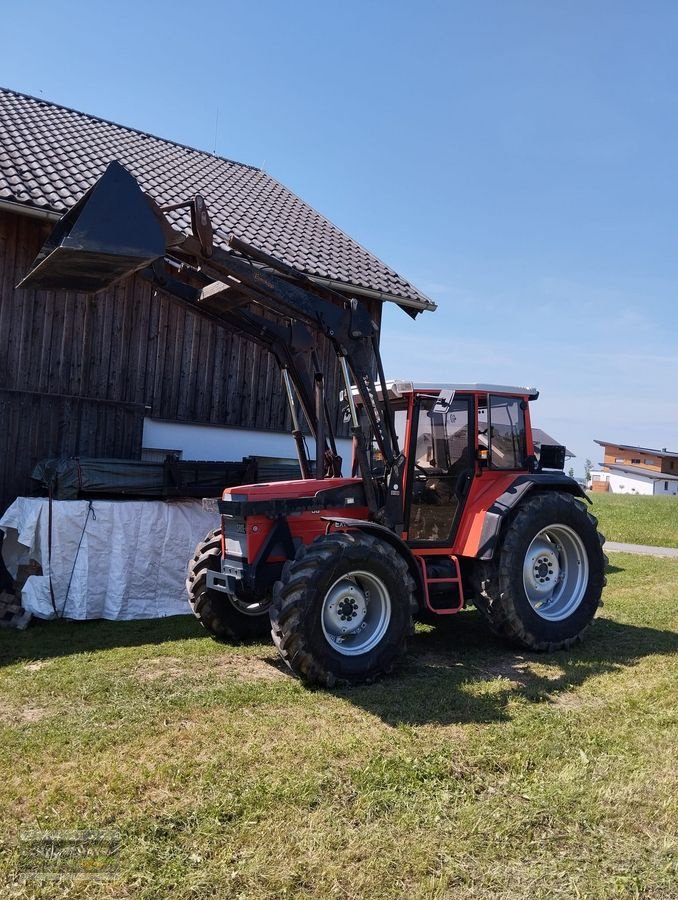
point(286, 489)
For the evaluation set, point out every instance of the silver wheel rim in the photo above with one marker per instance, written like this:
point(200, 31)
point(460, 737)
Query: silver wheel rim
point(555, 572)
point(249, 609)
point(356, 613)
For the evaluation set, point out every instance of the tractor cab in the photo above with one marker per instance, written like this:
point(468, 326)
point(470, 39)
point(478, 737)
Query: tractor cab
point(457, 440)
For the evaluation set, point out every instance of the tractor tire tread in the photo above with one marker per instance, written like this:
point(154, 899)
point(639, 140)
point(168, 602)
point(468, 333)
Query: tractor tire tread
point(214, 610)
point(290, 603)
point(494, 579)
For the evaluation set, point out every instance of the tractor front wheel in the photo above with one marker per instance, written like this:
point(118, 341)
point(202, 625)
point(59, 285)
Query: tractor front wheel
point(226, 617)
point(543, 587)
point(342, 609)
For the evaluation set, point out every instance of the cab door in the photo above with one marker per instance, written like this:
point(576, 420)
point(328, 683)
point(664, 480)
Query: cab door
point(440, 462)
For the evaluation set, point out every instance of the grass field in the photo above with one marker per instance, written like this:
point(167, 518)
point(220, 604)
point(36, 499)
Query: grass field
point(475, 772)
point(637, 520)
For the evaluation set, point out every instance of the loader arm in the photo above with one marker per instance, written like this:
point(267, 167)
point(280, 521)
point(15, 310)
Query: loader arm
point(351, 331)
point(116, 230)
point(353, 334)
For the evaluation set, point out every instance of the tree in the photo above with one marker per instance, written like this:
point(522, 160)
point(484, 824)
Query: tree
point(588, 465)
point(570, 472)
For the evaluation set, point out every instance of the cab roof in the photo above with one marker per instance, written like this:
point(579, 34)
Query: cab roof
point(397, 388)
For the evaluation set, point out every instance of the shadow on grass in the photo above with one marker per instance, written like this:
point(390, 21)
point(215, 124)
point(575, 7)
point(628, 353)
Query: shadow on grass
point(43, 640)
point(441, 681)
point(456, 673)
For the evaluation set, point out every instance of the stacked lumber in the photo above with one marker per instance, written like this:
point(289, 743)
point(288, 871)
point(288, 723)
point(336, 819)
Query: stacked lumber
point(12, 614)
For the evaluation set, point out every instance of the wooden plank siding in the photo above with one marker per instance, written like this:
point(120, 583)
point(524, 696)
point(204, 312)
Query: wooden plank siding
point(78, 373)
point(650, 460)
point(39, 426)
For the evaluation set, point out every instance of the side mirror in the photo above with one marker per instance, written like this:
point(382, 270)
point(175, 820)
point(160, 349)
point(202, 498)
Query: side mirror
point(444, 401)
point(552, 456)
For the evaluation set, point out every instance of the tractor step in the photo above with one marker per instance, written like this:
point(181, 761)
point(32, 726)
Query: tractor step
point(454, 579)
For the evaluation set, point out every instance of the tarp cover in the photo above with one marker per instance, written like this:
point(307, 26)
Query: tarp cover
point(76, 477)
point(110, 559)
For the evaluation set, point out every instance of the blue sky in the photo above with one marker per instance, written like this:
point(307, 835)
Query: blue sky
point(515, 159)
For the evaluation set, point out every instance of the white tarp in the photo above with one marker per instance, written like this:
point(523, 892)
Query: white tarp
point(110, 559)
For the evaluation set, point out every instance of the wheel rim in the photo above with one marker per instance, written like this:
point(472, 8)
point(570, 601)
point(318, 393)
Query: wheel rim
point(555, 572)
point(249, 609)
point(356, 613)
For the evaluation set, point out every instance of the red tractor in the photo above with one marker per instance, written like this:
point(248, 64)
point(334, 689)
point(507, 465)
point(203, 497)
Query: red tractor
point(481, 520)
point(447, 501)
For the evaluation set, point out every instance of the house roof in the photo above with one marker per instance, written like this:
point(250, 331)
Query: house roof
point(636, 472)
point(50, 155)
point(665, 454)
point(543, 437)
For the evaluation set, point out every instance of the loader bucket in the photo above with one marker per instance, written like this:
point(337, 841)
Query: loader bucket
point(110, 233)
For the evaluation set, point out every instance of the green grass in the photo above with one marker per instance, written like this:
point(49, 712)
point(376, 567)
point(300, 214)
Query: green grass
point(637, 520)
point(475, 772)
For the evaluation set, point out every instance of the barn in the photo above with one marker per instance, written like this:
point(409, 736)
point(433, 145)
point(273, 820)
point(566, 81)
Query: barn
point(129, 373)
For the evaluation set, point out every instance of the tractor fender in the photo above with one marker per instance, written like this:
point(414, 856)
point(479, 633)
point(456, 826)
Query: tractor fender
point(389, 537)
point(506, 502)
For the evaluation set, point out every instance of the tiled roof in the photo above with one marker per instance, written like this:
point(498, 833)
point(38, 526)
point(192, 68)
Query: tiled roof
point(50, 155)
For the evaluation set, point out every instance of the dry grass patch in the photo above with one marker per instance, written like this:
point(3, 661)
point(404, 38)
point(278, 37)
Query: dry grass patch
point(21, 715)
point(227, 665)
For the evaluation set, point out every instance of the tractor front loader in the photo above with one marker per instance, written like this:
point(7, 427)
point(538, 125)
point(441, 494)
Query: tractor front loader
point(446, 501)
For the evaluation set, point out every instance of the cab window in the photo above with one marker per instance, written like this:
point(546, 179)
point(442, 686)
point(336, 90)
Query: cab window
point(501, 430)
point(441, 467)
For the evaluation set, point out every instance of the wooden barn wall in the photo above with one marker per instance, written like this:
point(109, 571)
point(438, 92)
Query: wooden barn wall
point(36, 427)
point(121, 354)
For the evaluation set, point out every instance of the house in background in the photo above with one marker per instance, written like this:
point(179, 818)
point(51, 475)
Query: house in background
point(130, 373)
point(636, 470)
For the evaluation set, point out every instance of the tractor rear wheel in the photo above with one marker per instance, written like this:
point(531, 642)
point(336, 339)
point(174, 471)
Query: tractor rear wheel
point(342, 609)
point(543, 587)
point(226, 617)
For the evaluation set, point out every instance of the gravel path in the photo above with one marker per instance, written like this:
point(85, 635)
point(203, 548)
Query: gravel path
point(614, 547)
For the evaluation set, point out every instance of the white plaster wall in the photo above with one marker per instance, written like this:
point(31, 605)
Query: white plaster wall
point(672, 488)
point(625, 484)
point(211, 442)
